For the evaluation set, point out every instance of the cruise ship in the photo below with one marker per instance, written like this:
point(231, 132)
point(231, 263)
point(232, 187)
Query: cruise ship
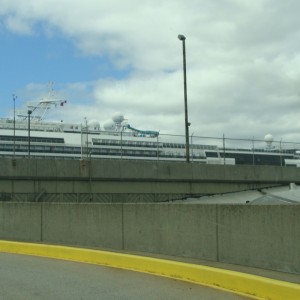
point(29, 135)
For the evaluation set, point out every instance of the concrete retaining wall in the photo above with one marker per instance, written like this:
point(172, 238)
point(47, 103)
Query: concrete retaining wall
point(258, 236)
point(179, 230)
point(110, 181)
point(21, 222)
point(139, 171)
point(261, 236)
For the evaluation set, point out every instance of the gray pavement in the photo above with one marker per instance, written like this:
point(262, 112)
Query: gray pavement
point(28, 277)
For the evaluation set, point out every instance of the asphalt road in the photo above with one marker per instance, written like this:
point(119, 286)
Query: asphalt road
point(29, 278)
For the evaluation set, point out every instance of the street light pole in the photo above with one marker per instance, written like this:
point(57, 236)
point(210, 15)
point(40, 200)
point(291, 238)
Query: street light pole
point(29, 113)
point(187, 124)
point(14, 98)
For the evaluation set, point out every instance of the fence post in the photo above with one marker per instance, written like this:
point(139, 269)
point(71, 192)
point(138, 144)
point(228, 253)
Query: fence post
point(253, 160)
point(224, 152)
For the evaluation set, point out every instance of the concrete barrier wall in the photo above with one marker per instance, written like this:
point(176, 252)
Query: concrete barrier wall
point(124, 170)
point(86, 225)
point(258, 236)
point(42, 180)
point(20, 221)
point(262, 236)
point(179, 230)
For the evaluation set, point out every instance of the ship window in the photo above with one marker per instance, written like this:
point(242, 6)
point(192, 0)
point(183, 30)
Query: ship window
point(211, 154)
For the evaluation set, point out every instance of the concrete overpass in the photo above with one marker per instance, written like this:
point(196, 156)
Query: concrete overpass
point(45, 180)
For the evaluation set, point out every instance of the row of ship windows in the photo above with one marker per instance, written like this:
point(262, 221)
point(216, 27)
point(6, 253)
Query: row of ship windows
point(292, 151)
point(192, 146)
point(74, 150)
point(95, 151)
point(32, 139)
point(256, 159)
point(148, 144)
point(125, 143)
point(109, 142)
point(37, 148)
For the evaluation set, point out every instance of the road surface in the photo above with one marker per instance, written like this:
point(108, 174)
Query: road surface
point(27, 277)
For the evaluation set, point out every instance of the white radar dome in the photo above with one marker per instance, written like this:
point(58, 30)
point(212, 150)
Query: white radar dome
point(118, 117)
point(109, 126)
point(269, 138)
point(94, 124)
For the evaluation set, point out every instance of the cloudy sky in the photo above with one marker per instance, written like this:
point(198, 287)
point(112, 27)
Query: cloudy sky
point(243, 62)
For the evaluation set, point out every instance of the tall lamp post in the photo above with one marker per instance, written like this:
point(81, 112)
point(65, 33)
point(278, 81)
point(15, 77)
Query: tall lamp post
point(14, 98)
point(29, 113)
point(187, 124)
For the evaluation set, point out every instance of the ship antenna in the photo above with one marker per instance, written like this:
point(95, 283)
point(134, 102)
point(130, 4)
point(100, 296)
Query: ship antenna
point(50, 89)
point(40, 109)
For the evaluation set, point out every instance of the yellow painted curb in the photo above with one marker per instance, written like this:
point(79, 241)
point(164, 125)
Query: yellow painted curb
point(250, 285)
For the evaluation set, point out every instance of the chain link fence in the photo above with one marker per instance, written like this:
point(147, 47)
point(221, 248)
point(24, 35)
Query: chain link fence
point(214, 150)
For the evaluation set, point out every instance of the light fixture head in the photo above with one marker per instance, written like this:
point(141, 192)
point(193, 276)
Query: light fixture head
point(181, 37)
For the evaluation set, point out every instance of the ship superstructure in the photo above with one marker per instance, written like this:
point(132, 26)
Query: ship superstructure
point(28, 134)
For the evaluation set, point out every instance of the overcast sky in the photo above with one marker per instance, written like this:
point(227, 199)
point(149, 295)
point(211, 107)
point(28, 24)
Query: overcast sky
point(243, 62)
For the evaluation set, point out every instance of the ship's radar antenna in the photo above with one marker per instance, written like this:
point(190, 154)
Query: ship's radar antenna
point(50, 89)
point(40, 109)
point(269, 140)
